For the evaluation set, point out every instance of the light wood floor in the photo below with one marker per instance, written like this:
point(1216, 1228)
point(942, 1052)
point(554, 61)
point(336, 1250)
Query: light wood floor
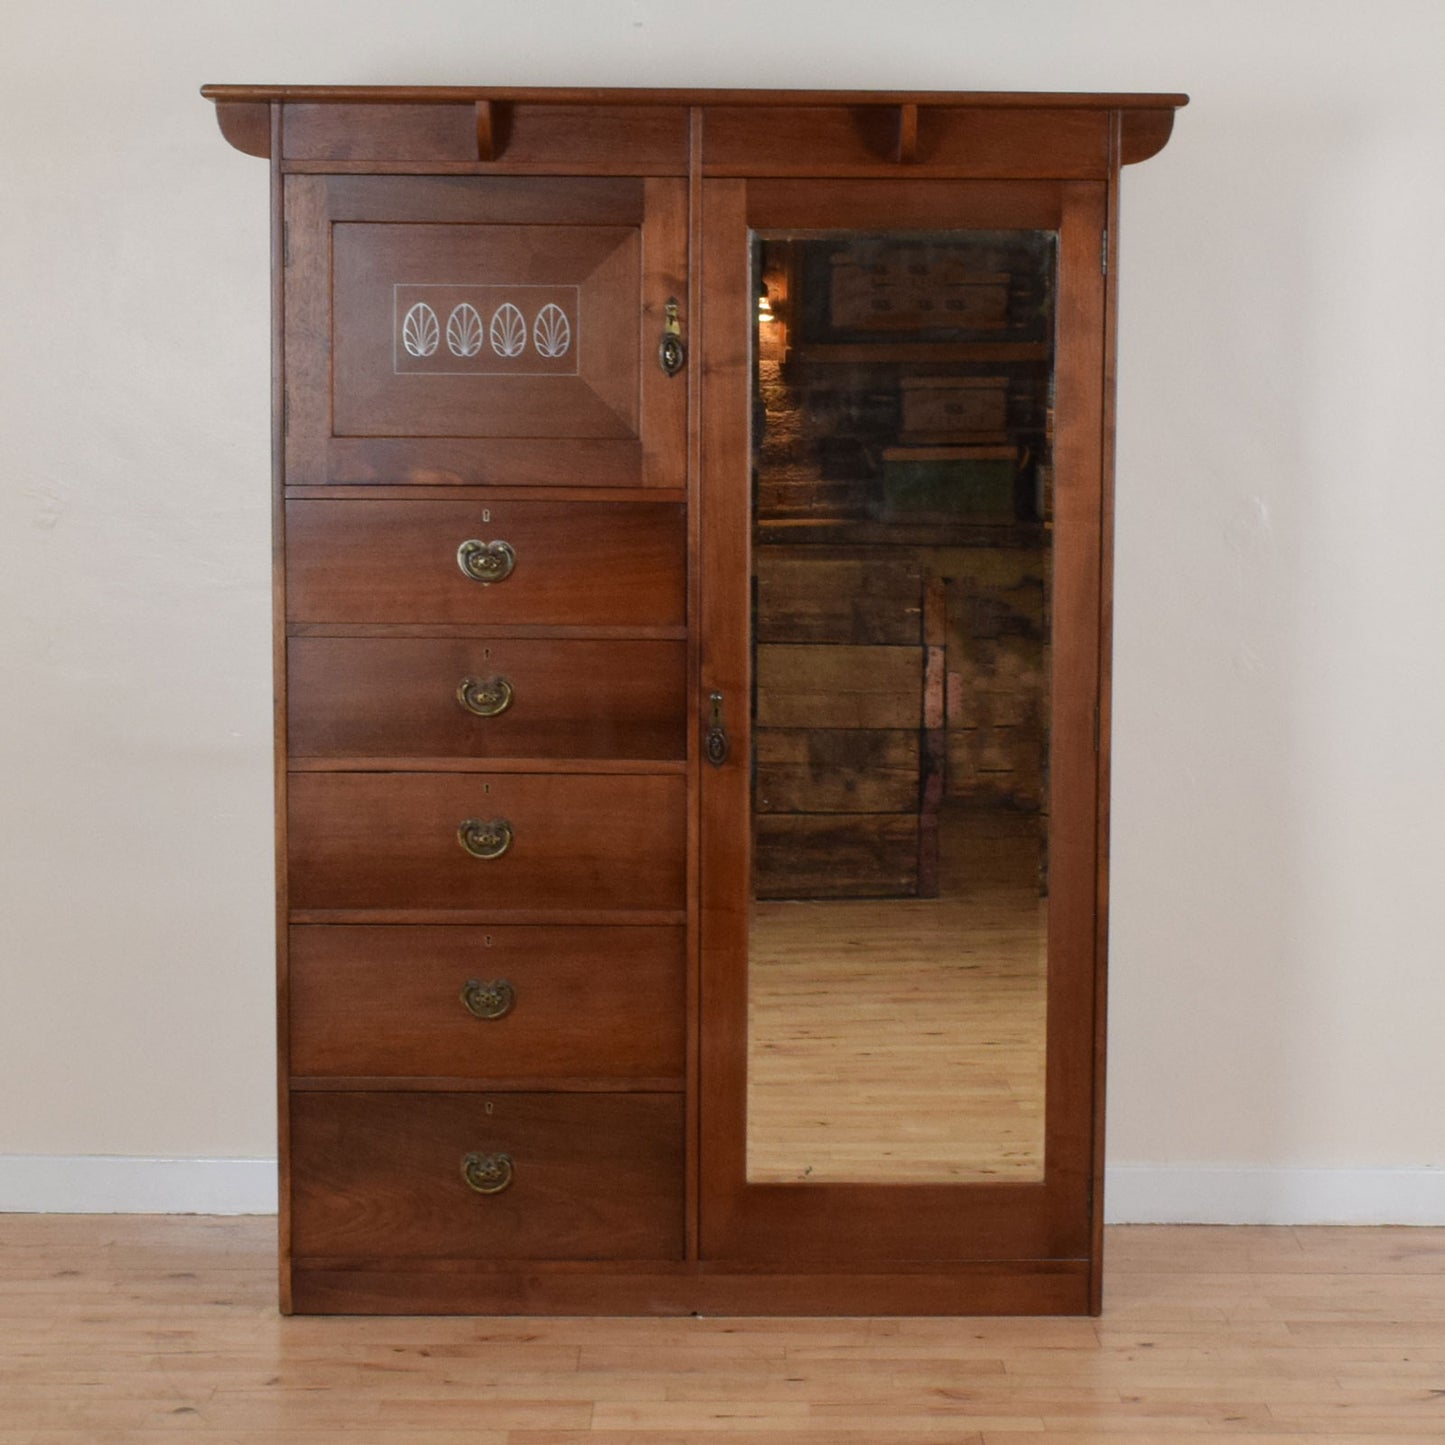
point(133, 1330)
point(903, 1040)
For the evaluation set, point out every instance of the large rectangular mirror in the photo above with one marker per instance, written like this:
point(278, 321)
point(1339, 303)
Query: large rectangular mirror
point(902, 508)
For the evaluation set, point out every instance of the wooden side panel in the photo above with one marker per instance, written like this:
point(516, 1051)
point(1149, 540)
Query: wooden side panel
point(595, 1176)
point(376, 697)
point(725, 586)
point(579, 842)
point(278, 699)
point(1073, 755)
point(588, 1003)
point(583, 564)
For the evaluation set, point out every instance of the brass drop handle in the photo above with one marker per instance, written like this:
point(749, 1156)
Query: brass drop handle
point(671, 350)
point(489, 1000)
point(485, 697)
point(715, 740)
point(487, 1173)
point(485, 838)
point(486, 562)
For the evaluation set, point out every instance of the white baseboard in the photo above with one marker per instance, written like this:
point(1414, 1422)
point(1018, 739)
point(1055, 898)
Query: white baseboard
point(110, 1184)
point(1133, 1193)
point(1209, 1194)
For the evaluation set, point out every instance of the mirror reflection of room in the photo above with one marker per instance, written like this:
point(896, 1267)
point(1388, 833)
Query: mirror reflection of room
point(902, 514)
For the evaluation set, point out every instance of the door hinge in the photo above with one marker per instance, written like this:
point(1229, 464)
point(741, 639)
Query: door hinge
point(1104, 251)
point(285, 243)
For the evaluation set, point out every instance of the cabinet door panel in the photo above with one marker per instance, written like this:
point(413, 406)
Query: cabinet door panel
point(485, 329)
point(926, 376)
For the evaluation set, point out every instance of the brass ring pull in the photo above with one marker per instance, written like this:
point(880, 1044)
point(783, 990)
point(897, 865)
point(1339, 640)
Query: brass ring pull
point(489, 1000)
point(485, 838)
point(486, 562)
point(487, 1173)
point(485, 697)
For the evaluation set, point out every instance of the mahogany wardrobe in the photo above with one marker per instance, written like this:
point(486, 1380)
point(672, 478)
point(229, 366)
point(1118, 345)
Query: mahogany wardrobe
point(692, 585)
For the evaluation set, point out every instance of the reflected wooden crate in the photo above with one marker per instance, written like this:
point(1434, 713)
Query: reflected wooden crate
point(835, 855)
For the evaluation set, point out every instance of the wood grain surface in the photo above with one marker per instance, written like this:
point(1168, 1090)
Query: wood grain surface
point(139, 1329)
point(582, 563)
point(590, 1002)
point(351, 697)
point(580, 841)
point(585, 564)
point(597, 1176)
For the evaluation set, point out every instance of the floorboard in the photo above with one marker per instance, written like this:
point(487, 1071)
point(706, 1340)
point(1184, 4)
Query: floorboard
point(125, 1330)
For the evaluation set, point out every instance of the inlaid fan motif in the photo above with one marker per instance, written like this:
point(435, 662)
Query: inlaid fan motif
point(486, 330)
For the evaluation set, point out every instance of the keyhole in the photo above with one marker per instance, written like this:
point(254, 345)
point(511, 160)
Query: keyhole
point(486, 787)
point(486, 514)
point(487, 942)
point(487, 1107)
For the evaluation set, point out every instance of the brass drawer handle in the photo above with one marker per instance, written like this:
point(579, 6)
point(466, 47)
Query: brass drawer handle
point(489, 1000)
point(485, 697)
point(487, 1173)
point(486, 562)
point(485, 837)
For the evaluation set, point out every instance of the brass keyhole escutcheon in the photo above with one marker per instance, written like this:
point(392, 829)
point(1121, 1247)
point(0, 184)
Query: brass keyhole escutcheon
point(486, 562)
point(485, 837)
point(487, 1173)
point(485, 697)
point(715, 739)
point(491, 1000)
point(671, 350)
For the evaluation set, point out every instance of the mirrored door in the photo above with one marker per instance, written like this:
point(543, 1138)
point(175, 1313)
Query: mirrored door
point(901, 604)
point(901, 558)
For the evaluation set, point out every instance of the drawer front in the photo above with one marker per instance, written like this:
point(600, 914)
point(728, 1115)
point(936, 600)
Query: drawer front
point(577, 841)
point(585, 564)
point(436, 697)
point(487, 1003)
point(591, 1176)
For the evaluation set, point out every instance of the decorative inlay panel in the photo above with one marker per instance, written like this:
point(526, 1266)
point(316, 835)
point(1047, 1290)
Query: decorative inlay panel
point(460, 330)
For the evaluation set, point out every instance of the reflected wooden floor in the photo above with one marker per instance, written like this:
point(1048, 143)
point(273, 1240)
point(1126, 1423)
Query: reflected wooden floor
point(901, 1040)
point(137, 1331)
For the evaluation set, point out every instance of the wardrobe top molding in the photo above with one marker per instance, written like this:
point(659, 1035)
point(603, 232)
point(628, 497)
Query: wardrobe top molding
point(486, 130)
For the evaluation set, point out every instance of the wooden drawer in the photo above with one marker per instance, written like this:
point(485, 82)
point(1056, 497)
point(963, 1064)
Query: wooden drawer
point(593, 1176)
point(580, 1002)
point(578, 841)
point(588, 564)
point(401, 697)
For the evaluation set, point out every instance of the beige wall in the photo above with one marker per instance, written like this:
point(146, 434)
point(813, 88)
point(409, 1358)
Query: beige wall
point(1279, 793)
